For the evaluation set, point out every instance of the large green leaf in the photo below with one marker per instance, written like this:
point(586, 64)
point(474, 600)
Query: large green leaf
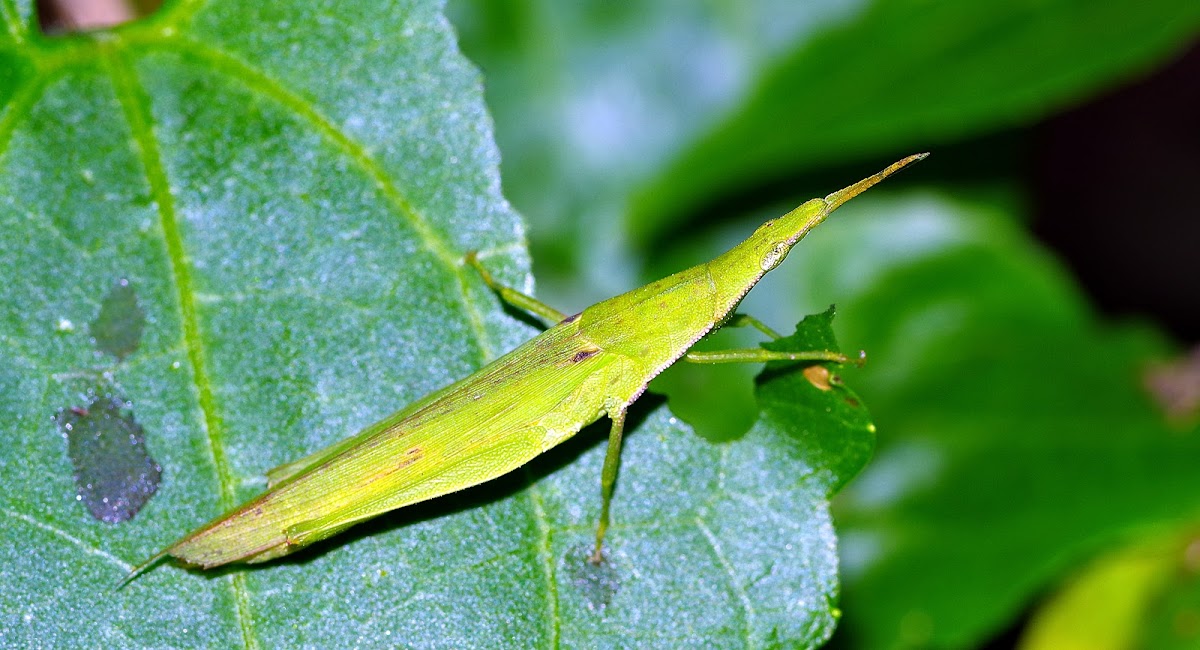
point(1141, 596)
point(285, 191)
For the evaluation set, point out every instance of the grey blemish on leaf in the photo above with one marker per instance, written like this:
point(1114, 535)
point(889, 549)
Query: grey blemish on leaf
point(597, 583)
point(114, 473)
point(118, 327)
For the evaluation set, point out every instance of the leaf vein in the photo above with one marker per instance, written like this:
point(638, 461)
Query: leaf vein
point(261, 82)
point(55, 530)
point(180, 12)
point(762, 507)
point(12, 21)
point(545, 559)
point(137, 113)
point(22, 100)
point(56, 232)
point(25, 356)
point(737, 588)
point(290, 292)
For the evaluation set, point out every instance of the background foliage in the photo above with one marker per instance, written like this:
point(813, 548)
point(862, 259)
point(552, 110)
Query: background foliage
point(1016, 435)
point(288, 190)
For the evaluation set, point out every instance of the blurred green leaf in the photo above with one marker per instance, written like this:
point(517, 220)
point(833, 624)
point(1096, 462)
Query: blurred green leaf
point(1015, 435)
point(592, 99)
point(1173, 615)
point(1118, 601)
point(910, 73)
point(288, 190)
point(618, 121)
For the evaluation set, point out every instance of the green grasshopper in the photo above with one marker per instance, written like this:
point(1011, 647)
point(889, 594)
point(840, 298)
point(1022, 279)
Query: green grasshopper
point(583, 367)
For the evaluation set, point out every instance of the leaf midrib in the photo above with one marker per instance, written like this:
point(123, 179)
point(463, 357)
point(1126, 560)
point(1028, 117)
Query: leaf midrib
point(132, 99)
point(52, 58)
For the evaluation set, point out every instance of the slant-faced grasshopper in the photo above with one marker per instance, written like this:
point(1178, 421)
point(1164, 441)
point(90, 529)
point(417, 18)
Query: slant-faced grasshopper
point(585, 366)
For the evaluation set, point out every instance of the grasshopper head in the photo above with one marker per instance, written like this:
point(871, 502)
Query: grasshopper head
point(741, 267)
point(775, 238)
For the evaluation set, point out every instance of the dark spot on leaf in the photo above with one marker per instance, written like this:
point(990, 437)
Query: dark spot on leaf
point(572, 318)
point(597, 583)
point(583, 355)
point(853, 403)
point(118, 327)
point(114, 474)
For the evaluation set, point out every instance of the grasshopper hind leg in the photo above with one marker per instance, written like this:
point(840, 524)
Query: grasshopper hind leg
point(608, 478)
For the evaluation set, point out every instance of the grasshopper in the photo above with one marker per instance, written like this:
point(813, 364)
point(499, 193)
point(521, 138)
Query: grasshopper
point(583, 367)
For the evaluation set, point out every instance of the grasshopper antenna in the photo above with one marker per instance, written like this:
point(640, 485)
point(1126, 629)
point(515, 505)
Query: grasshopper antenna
point(841, 196)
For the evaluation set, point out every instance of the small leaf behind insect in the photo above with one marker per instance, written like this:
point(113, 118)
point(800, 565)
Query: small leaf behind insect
point(691, 389)
point(824, 418)
point(814, 332)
